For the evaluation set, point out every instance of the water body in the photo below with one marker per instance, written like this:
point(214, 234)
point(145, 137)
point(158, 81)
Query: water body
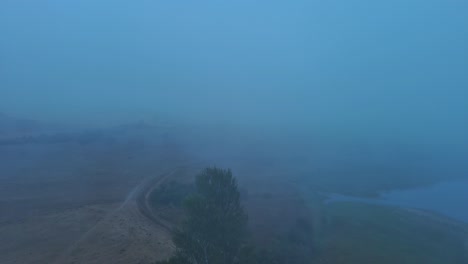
point(447, 198)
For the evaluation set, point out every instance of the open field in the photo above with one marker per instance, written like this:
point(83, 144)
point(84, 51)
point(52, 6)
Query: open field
point(346, 232)
point(86, 201)
point(76, 203)
point(363, 233)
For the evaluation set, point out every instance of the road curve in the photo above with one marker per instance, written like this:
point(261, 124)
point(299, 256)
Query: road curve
point(142, 198)
point(137, 196)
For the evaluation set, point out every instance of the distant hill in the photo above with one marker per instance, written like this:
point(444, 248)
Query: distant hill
point(10, 126)
point(14, 127)
point(17, 131)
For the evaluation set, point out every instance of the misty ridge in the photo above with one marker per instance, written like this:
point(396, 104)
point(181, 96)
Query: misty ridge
point(383, 165)
point(242, 132)
point(286, 173)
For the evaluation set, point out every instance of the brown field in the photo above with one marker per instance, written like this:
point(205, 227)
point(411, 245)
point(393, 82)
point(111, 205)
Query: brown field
point(74, 203)
point(87, 203)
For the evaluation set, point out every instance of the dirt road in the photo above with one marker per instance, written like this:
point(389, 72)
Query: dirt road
point(131, 233)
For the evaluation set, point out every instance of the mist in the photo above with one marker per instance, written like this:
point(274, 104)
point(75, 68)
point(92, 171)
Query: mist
point(340, 97)
point(390, 69)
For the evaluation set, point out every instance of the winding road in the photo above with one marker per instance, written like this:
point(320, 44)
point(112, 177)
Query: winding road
point(135, 201)
point(142, 198)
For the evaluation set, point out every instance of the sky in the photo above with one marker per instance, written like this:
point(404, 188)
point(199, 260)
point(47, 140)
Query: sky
point(390, 69)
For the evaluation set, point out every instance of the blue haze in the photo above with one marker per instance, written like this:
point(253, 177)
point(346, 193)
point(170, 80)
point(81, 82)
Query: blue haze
point(449, 198)
point(372, 75)
point(395, 68)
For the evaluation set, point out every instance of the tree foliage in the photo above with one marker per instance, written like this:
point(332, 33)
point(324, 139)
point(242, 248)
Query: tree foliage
point(215, 229)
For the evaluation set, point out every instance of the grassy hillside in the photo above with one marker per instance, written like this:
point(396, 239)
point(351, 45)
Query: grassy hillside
point(362, 233)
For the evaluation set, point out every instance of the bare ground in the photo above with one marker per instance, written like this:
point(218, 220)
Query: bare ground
point(77, 204)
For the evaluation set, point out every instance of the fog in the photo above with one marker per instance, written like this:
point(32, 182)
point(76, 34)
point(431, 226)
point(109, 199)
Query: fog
point(395, 69)
point(360, 78)
point(102, 102)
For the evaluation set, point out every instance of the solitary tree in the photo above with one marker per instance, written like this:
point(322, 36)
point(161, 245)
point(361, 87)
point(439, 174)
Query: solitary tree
point(216, 223)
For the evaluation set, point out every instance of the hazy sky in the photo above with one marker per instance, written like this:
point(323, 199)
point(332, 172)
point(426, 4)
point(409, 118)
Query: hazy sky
point(359, 66)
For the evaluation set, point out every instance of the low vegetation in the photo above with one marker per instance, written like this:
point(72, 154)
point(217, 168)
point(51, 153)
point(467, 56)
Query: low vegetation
point(216, 230)
point(363, 233)
point(171, 193)
point(216, 225)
